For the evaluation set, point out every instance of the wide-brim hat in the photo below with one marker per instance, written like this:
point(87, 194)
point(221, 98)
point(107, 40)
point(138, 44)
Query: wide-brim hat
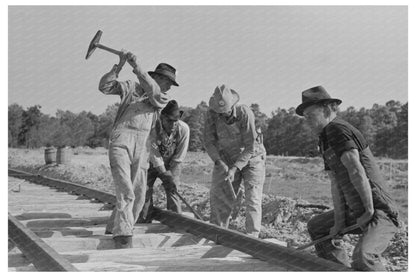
point(166, 70)
point(313, 96)
point(172, 111)
point(223, 99)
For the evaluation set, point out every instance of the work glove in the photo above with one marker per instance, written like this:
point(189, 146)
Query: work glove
point(168, 181)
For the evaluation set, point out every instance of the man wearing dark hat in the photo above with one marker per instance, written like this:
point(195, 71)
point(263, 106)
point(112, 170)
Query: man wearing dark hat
point(232, 142)
point(169, 151)
point(358, 189)
point(131, 139)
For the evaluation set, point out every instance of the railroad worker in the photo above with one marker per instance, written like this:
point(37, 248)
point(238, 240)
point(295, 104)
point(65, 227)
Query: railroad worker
point(130, 142)
point(358, 189)
point(168, 153)
point(232, 142)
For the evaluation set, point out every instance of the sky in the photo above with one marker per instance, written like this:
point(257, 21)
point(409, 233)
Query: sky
point(268, 54)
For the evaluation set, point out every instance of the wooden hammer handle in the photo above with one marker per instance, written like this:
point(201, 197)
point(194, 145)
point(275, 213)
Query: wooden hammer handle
point(108, 49)
point(230, 188)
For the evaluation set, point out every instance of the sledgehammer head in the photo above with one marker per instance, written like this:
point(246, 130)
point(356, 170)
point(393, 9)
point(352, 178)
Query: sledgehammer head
point(93, 44)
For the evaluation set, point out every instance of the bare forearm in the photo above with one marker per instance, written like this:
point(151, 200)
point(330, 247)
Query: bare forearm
point(358, 178)
point(361, 184)
point(338, 200)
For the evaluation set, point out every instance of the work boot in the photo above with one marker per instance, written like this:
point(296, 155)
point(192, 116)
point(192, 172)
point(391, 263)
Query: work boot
point(122, 242)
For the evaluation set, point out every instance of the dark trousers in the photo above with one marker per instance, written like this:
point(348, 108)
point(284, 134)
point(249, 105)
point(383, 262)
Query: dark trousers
point(372, 243)
point(173, 201)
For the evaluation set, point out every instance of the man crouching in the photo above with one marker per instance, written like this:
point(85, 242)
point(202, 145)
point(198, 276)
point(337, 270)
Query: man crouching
point(168, 153)
point(358, 189)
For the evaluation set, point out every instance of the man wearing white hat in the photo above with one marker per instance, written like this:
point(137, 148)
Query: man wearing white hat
point(232, 142)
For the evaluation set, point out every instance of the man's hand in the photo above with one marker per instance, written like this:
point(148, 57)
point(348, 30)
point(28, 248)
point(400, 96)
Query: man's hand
point(168, 181)
point(336, 229)
point(131, 59)
point(223, 167)
point(364, 219)
point(231, 174)
point(123, 57)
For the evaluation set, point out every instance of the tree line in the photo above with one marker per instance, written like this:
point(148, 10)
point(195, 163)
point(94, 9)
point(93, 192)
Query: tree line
point(284, 133)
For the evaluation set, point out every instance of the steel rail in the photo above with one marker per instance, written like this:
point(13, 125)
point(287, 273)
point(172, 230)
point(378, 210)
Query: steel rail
point(64, 185)
point(43, 257)
point(264, 250)
point(261, 249)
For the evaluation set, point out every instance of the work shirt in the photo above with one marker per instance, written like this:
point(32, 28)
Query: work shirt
point(170, 148)
point(235, 139)
point(340, 136)
point(139, 101)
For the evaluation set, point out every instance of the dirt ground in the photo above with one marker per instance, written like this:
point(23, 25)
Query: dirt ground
point(291, 184)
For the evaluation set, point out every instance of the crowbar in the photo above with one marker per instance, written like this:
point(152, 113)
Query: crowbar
point(327, 237)
point(230, 188)
point(189, 206)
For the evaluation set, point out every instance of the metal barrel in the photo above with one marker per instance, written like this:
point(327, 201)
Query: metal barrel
point(62, 156)
point(50, 155)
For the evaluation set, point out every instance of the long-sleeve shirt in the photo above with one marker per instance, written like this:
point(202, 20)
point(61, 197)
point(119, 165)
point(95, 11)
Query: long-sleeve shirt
point(139, 101)
point(233, 140)
point(170, 148)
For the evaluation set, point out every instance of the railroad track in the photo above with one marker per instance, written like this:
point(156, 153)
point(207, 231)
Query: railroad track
point(56, 225)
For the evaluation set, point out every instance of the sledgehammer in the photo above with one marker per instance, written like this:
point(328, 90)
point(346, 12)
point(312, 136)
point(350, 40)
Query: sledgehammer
point(95, 44)
point(327, 237)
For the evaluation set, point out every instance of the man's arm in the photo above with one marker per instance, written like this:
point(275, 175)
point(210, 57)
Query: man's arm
point(339, 205)
point(182, 143)
point(249, 134)
point(210, 138)
point(211, 142)
point(157, 98)
point(351, 160)
point(155, 157)
point(109, 84)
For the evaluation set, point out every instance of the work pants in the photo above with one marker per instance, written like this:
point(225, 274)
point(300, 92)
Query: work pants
point(173, 201)
point(221, 201)
point(372, 243)
point(129, 161)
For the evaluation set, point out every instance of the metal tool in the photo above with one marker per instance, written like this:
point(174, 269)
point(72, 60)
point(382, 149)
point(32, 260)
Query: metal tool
point(189, 206)
point(230, 188)
point(95, 44)
point(327, 237)
point(237, 204)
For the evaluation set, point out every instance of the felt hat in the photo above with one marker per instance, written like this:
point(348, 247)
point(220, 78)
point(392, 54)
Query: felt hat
point(166, 70)
point(313, 96)
point(172, 111)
